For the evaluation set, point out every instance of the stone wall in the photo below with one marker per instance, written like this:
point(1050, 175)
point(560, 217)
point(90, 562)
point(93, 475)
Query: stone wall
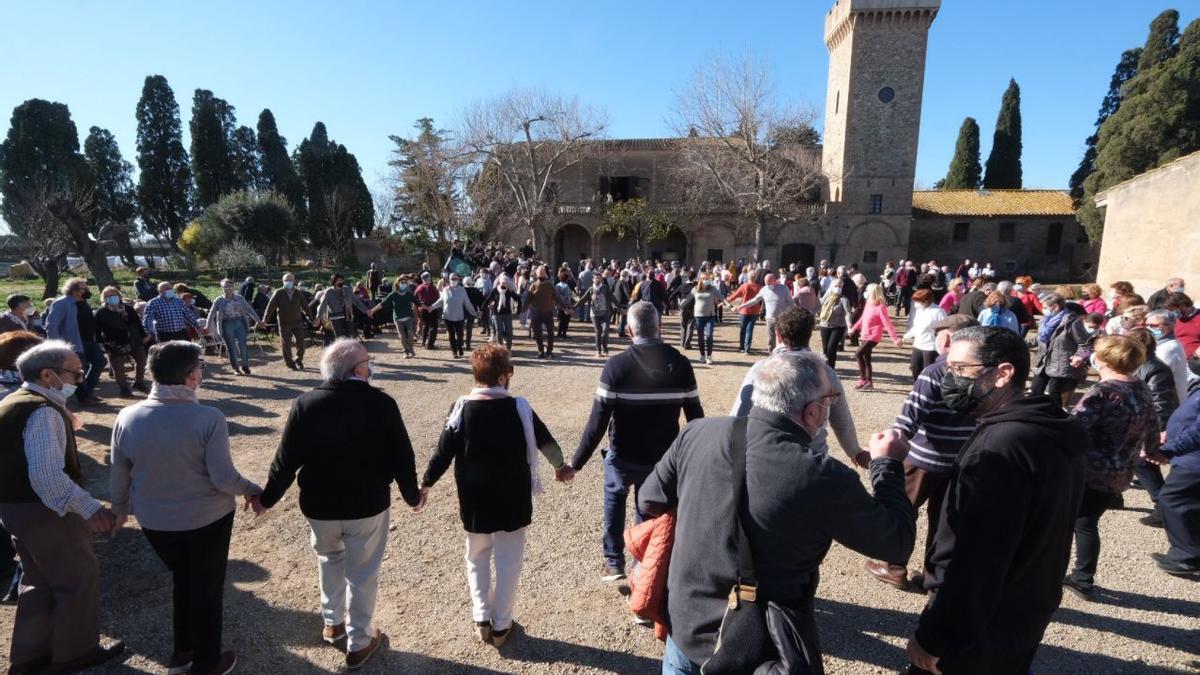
point(1029, 252)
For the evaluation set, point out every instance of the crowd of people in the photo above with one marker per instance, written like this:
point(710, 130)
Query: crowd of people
point(739, 511)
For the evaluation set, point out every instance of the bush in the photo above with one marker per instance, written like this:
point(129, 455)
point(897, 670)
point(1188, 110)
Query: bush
point(236, 259)
point(263, 221)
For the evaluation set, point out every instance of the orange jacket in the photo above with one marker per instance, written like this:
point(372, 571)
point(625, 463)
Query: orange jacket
point(650, 543)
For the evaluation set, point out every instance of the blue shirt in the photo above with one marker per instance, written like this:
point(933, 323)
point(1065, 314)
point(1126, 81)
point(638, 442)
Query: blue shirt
point(62, 322)
point(168, 315)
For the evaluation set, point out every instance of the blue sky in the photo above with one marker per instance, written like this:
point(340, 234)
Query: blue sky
point(369, 69)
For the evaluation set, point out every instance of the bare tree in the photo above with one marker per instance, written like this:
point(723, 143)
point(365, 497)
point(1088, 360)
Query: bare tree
point(514, 145)
point(58, 219)
point(341, 208)
point(743, 149)
point(41, 238)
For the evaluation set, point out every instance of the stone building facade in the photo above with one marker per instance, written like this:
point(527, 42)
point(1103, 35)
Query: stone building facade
point(866, 212)
point(1152, 227)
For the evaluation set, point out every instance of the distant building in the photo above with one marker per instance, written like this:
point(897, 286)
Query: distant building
point(1152, 227)
point(867, 212)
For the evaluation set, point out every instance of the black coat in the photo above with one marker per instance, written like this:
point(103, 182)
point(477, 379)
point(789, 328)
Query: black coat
point(1004, 537)
point(1161, 382)
point(348, 443)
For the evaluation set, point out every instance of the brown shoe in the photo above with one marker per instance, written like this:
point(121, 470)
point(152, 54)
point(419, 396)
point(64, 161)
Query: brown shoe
point(893, 575)
point(99, 654)
point(484, 630)
point(499, 637)
point(334, 634)
point(355, 660)
point(225, 665)
point(180, 663)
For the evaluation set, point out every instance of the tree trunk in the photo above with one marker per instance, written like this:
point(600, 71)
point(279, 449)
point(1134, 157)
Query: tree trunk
point(760, 229)
point(49, 271)
point(125, 248)
point(93, 252)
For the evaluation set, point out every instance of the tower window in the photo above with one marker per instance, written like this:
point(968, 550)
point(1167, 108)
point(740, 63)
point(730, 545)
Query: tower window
point(1054, 239)
point(887, 94)
point(876, 204)
point(1008, 232)
point(962, 232)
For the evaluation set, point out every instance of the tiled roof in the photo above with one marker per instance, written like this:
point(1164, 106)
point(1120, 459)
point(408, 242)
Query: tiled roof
point(992, 203)
point(641, 143)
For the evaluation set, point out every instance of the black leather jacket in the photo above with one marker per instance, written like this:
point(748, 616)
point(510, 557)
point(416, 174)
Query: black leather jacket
point(1161, 382)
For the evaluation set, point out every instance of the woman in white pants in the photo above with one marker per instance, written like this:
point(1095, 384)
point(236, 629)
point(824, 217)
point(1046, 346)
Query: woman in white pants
point(494, 440)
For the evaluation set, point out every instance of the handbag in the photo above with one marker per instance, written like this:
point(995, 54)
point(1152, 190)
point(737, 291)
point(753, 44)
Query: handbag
point(757, 636)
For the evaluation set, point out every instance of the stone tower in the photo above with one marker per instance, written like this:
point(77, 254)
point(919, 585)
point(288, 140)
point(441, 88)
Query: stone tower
point(872, 122)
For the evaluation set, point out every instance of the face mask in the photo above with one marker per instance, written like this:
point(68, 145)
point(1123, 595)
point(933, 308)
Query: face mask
point(1157, 333)
point(67, 389)
point(403, 288)
point(169, 295)
point(228, 292)
point(1179, 290)
point(30, 311)
point(1090, 330)
point(87, 294)
point(1094, 363)
point(289, 284)
point(959, 393)
point(113, 300)
point(340, 284)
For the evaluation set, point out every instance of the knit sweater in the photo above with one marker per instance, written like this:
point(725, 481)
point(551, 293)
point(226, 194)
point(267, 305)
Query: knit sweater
point(873, 321)
point(936, 433)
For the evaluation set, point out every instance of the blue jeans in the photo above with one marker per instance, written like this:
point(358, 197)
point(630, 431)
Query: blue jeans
point(618, 476)
point(704, 334)
point(233, 332)
point(746, 335)
point(94, 363)
point(675, 662)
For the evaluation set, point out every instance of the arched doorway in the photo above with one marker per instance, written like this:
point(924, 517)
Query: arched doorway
point(610, 247)
point(572, 242)
point(673, 247)
point(802, 254)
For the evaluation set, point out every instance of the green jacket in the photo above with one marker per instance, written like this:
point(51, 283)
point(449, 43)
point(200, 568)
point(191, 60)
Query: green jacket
point(401, 304)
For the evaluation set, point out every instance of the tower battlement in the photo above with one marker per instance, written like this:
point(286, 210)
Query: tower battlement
point(846, 14)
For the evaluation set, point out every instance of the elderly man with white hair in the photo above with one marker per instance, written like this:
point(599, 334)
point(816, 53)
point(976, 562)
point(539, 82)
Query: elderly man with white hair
point(348, 443)
point(51, 518)
point(760, 471)
point(290, 306)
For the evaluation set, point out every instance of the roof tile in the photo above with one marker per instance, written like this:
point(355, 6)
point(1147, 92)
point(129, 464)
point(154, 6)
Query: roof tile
point(992, 203)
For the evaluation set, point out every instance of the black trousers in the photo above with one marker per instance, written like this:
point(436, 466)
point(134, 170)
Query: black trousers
point(543, 324)
point(921, 360)
point(984, 662)
point(1054, 386)
point(454, 329)
point(1151, 477)
point(904, 300)
point(429, 327)
point(1087, 535)
point(197, 559)
point(564, 322)
point(1179, 501)
point(831, 343)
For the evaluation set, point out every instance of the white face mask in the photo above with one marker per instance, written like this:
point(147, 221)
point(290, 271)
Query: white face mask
point(67, 389)
point(30, 310)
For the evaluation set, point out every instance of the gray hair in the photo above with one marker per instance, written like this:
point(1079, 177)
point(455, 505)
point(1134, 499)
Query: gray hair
point(1005, 287)
point(643, 319)
point(1053, 299)
point(785, 384)
point(71, 285)
point(340, 358)
point(48, 354)
point(1167, 317)
point(987, 288)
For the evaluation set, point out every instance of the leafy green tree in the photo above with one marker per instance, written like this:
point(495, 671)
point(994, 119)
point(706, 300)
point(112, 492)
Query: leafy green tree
point(1125, 71)
point(964, 173)
point(114, 196)
point(48, 187)
point(424, 185)
point(278, 171)
point(1158, 122)
point(247, 163)
point(165, 179)
point(1163, 41)
point(1004, 162)
point(263, 220)
point(213, 145)
point(636, 219)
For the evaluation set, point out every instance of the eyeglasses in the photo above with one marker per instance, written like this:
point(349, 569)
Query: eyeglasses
point(957, 368)
point(79, 374)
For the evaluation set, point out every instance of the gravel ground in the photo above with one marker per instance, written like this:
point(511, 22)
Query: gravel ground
point(571, 621)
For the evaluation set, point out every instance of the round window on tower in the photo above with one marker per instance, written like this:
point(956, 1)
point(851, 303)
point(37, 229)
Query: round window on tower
point(887, 94)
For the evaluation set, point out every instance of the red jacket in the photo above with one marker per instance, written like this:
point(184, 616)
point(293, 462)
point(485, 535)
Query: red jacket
point(650, 543)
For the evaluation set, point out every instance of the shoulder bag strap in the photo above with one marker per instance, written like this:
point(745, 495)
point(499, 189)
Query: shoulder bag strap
point(737, 458)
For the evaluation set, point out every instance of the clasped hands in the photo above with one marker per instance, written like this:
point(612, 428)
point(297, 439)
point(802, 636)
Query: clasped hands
point(891, 444)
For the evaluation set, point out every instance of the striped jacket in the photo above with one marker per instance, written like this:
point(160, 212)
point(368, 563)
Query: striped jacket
point(936, 433)
point(641, 392)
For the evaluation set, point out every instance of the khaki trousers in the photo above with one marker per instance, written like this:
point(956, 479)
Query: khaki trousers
point(58, 609)
point(289, 332)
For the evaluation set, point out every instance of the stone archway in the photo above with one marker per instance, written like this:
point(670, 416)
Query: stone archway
point(713, 242)
point(571, 242)
point(673, 247)
point(608, 245)
point(872, 242)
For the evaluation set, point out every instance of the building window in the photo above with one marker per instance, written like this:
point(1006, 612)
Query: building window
point(1054, 239)
point(876, 204)
point(870, 257)
point(621, 188)
point(1010, 267)
point(887, 94)
point(1008, 233)
point(715, 255)
point(837, 103)
point(1081, 237)
point(962, 232)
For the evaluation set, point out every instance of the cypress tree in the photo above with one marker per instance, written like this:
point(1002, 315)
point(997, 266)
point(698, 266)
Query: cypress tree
point(246, 161)
point(113, 197)
point(165, 180)
point(964, 173)
point(212, 129)
point(1163, 41)
point(278, 171)
point(1126, 70)
point(1004, 162)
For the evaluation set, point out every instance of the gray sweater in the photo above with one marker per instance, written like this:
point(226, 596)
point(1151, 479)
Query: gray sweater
point(171, 466)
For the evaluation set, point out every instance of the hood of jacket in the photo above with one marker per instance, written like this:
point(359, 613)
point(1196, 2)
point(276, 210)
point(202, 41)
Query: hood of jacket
point(1062, 430)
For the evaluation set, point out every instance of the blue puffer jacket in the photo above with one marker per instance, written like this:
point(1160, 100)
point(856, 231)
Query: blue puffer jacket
point(1183, 435)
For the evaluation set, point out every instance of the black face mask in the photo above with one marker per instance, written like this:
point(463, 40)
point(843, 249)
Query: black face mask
point(87, 294)
point(960, 393)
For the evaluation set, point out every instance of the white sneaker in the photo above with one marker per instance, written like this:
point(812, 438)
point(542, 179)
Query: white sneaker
point(708, 361)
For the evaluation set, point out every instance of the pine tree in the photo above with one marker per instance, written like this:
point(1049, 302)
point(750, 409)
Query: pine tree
point(1126, 70)
point(278, 171)
point(1004, 162)
point(165, 178)
point(964, 173)
point(212, 128)
point(114, 198)
point(1163, 41)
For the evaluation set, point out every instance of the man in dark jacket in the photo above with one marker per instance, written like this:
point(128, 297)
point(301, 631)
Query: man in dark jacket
point(1159, 298)
point(1004, 536)
point(348, 443)
point(641, 393)
point(1179, 498)
point(798, 502)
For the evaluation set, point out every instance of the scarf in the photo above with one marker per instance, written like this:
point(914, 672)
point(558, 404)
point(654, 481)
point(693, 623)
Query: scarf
point(173, 393)
point(831, 301)
point(454, 421)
